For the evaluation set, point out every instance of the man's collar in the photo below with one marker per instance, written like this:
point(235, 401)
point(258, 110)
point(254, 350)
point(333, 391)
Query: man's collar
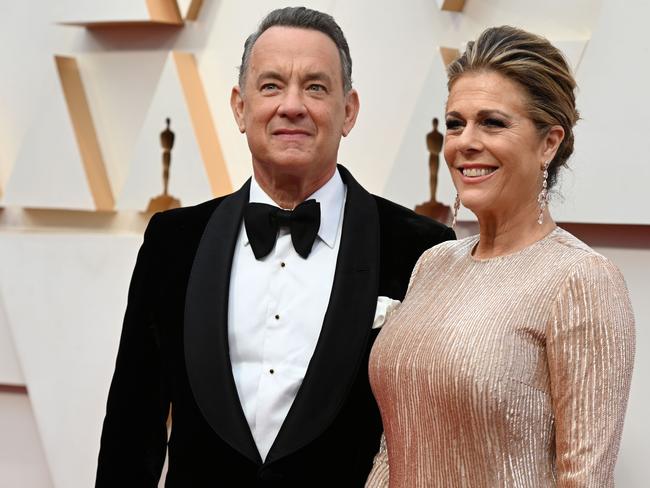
point(331, 197)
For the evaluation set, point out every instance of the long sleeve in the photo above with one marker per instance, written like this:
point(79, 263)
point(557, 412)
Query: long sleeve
point(134, 435)
point(590, 348)
point(379, 474)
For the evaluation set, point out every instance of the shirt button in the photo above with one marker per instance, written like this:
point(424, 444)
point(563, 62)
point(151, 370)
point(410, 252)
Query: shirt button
point(282, 264)
point(271, 371)
point(277, 317)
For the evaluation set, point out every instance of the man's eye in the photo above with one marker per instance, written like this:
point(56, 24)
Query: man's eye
point(316, 88)
point(269, 87)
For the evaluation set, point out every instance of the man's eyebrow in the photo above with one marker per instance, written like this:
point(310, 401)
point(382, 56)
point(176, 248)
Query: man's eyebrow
point(311, 76)
point(269, 74)
point(318, 76)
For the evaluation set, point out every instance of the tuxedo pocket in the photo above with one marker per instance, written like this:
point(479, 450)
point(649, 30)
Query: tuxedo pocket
point(385, 305)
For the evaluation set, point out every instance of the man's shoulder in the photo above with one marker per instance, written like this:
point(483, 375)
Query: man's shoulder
point(399, 219)
point(185, 220)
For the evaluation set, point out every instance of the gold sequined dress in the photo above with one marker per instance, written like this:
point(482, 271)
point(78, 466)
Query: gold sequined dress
point(512, 371)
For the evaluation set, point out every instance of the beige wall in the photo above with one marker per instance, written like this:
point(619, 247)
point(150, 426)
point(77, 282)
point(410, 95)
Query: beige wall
point(22, 460)
point(64, 270)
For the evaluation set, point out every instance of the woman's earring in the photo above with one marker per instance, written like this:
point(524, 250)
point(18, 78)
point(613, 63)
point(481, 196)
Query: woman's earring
point(455, 214)
point(542, 198)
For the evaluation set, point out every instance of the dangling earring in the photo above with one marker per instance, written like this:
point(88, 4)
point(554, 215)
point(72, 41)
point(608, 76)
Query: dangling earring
point(542, 198)
point(455, 214)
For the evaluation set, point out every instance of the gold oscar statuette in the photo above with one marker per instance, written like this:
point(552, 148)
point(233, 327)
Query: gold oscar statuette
point(165, 201)
point(434, 209)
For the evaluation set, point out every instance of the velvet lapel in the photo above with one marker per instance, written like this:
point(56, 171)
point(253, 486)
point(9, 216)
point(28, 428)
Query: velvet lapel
point(346, 326)
point(206, 327)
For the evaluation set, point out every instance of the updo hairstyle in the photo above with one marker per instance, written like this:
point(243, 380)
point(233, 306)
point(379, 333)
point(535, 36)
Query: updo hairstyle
point(539, 68)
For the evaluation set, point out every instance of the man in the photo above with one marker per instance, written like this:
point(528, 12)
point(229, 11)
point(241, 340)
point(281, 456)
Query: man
point(261, 346)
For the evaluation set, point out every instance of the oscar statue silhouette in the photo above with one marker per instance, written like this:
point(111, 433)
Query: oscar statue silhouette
point(433, 208)
point(165, 201)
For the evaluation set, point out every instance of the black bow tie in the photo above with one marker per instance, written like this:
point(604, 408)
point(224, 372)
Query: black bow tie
point(262, 222)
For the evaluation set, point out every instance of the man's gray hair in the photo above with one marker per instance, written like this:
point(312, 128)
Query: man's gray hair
point(302, 18)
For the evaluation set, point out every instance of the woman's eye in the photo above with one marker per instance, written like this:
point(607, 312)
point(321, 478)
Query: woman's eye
point(494, 123)
point(453, 124)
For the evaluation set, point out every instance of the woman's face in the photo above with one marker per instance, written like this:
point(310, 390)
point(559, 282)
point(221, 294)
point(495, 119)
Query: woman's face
point(494, 151)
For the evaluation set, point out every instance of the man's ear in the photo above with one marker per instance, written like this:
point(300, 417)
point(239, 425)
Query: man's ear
point(351, 111)
point(237, 106)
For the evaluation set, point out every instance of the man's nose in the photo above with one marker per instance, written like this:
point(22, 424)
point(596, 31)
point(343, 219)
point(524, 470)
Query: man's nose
point(292, 104)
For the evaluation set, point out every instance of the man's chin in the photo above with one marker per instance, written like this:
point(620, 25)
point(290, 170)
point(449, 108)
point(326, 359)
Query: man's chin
point(294, 166)
point(289, 160)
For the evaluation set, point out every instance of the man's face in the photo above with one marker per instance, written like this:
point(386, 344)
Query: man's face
point(292, 106)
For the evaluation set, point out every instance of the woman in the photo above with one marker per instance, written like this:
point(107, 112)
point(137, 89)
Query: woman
point(508, 364)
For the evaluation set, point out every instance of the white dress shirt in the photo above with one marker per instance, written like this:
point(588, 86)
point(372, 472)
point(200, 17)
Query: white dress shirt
point(276, 310)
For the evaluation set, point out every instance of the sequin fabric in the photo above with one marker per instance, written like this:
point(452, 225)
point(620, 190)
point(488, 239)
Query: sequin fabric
point(505, 372)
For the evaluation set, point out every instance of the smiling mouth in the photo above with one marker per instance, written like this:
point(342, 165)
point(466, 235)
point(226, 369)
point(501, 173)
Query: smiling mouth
point(476, 172)
point(291, 133)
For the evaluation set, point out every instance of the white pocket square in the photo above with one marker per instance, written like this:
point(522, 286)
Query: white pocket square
point(385, 305)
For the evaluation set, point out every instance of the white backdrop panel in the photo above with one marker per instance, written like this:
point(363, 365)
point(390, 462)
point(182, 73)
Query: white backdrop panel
point(394, 47)
point(112, 81)
point(611, 167)
point(631, 469)
point(96, 11)
point(188, 180)
point(65, 295)
point(10, 372)
point(22, 462)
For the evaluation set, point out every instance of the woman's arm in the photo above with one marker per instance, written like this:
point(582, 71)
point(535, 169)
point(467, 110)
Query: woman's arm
point(590, 347)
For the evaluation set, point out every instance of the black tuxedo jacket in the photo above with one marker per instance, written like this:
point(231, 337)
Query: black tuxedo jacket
point(174, 352)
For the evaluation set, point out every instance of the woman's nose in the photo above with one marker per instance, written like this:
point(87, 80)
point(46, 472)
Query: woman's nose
point(470, 139)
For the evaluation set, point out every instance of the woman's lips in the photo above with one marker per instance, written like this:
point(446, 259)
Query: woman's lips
point(476, 174)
